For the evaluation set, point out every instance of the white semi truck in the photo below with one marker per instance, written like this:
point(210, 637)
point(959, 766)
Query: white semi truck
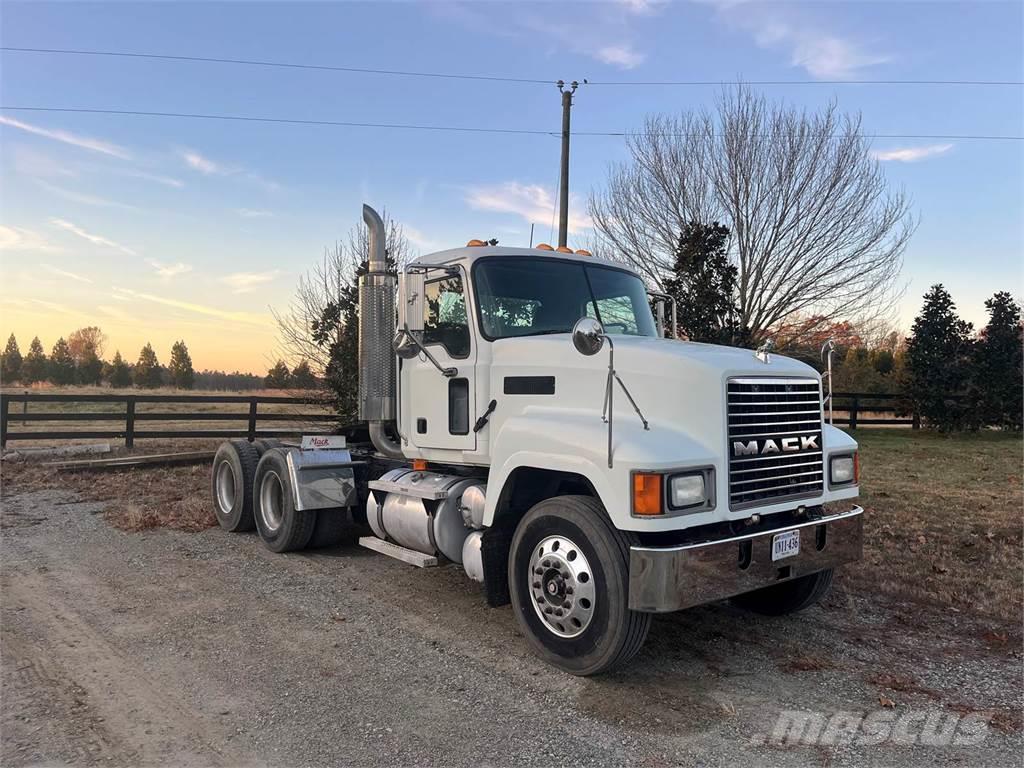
point(525, 416)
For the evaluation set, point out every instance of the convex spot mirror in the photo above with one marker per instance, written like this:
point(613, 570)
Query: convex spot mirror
point(404, 346)
point(587, 336)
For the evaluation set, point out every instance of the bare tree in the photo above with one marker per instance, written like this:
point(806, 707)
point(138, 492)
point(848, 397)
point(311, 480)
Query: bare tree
point(815, 229)
point(323, 294)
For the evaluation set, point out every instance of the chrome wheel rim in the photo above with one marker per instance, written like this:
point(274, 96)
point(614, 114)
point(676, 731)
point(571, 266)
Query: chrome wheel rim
point(561, 586)
point(225, 483)
point(271, 501)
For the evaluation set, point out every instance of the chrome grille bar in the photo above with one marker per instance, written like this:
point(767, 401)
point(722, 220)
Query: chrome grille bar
point(779, 410)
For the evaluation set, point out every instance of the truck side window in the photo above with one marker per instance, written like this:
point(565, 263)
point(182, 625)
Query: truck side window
point(445, 320)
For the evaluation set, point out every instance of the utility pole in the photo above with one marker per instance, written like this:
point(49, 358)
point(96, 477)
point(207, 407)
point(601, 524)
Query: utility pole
point(563, 191)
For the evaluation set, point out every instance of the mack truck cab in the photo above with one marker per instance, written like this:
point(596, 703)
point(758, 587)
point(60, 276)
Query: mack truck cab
point(528, 417)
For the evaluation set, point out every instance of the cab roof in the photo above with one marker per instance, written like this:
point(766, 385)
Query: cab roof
point(468, 255)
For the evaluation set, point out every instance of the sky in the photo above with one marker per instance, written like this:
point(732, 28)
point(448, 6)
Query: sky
point(157, 229)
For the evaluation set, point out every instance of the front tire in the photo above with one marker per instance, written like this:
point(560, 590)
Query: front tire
point(569, 583)
point(282, 527)
point(788, 597)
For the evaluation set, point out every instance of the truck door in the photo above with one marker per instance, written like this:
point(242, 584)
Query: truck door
point(441, 408)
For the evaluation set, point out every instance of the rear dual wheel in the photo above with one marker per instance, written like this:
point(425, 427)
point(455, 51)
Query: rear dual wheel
point(234, 466)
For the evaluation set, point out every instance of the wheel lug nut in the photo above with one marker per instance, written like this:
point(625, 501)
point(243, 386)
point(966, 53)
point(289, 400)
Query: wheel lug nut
point(565, 575)
point(567, 604)
point(568, 590)
point(558, 612)
point(547, 610)
point(538, 571)
point(546, 563)
point(536, 585)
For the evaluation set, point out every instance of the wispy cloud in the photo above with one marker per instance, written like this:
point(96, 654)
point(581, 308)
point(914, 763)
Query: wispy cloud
point(92, 238)
point(84, 199)
point(115, 312)
point(52, 306)
point(204, 165)
point(531, 201)
point(167, 181)
point(910, 154)
point(622, 56)
point(25, 241)
point(421, 240)
point(35, 164)
point(66, 137)
point(822, 54)
point(64, 273)
point(247, 318)
point(250, 213)
point(168, 271)
point(244, 282)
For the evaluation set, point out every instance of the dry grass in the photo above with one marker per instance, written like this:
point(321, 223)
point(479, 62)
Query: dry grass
point(943, 520)
point(138, 499)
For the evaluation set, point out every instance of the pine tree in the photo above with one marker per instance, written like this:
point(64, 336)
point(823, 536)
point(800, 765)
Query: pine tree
point(302, 376)
point(180, 368)
point(998, 363)
point(119, 375)
point(62, 364)
point(10, 362)
point(33, 367)
point(278, 377)
point(939, 364)
point(147, 369)
point(704, 285)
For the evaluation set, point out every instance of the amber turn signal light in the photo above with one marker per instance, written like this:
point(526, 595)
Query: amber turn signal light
point(647, 494)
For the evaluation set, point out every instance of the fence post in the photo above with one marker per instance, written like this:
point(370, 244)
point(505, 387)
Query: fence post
point(252, 419)
point(854, 406)
point(129, 422)
point(4, 402)
point(916, 420)
point(24, 409)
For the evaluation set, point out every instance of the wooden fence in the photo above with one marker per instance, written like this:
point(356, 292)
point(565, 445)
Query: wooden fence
point(130, 417)
point(855, 403)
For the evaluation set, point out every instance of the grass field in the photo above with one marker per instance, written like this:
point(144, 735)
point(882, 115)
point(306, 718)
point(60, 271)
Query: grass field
point(943, 520)
point(943, 515)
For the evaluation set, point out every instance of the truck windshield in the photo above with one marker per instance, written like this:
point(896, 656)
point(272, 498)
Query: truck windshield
point(526, 296)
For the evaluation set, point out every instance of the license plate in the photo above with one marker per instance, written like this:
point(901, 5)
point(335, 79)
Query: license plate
point(785, 545)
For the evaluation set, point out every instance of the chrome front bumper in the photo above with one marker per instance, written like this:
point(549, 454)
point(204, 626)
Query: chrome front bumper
point(671, 578)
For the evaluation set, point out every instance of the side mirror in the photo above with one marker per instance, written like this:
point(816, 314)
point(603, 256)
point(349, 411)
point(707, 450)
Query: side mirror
point(404, 345)
point(587, 336)
point(410, 301)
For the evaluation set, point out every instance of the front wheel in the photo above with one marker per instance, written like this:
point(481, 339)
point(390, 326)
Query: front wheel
point(787, 597)
point(569, 583)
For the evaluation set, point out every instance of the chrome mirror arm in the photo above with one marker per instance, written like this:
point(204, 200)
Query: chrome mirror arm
point(826, 354)
point(606, 411)
point(446, 372)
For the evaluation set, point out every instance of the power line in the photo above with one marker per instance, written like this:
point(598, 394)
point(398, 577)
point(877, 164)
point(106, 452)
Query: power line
point(492, 78)
point(281, 64)
point(1017, 83)
point(462, 128)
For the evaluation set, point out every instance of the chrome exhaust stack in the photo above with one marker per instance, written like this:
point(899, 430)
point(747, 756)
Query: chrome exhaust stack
point(376, 328)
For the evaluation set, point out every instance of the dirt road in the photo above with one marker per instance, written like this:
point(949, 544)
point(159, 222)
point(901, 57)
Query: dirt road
point(205, 649)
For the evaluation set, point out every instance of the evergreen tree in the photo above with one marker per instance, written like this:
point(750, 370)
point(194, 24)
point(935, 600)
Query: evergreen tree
point(180, 368)
point(278, 377)
point(33, 367)
point(939, 364)
point(703, 284)
point(302, 376)
point(998, 364)
point(119, 375)
point(62, 364)
point(10, 361)
point(147, 369)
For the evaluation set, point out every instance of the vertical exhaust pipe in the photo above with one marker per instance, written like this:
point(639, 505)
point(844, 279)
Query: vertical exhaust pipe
point(376, 329)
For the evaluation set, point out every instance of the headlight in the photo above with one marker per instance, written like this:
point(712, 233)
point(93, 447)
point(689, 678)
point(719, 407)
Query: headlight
point(843, 469)
point(687, 490)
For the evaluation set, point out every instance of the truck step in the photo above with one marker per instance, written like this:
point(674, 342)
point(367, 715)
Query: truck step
point(410, 556)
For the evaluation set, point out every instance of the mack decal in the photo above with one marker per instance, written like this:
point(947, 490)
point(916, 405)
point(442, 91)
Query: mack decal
point(784, 445)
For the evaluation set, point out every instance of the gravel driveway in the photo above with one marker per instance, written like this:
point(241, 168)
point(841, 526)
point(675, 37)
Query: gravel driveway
point(206, 649)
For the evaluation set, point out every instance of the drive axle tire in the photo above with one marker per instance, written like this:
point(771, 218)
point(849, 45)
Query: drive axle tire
point(263, 444)
point(282, 527)
point(333, 526)
point(234, 466)
point(569, 581)
point(788, 597)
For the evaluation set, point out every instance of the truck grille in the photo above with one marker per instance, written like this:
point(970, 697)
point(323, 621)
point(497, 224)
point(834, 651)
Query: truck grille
point(774, 440)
